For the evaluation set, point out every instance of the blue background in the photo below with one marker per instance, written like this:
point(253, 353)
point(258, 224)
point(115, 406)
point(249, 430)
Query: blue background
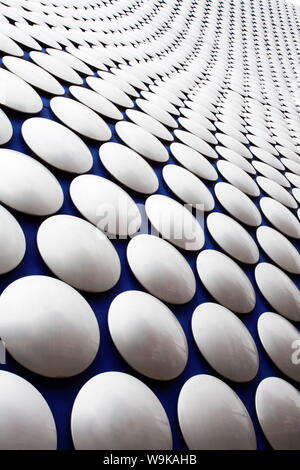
point(60, 393)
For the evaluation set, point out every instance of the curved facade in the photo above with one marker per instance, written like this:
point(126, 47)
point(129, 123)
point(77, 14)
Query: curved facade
point(149, 224)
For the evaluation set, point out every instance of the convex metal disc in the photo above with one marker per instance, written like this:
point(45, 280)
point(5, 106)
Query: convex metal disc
point(238, 178)
point(34, 75)
point(279, 249)
point(17, 94)
point(80, 118)
point(279, 290)
point(12, 242)
point(212, 417)
point(6, 129)
point(142, 141)
point(226, 281)
point(175, 222)
point(96, 102)
point(78, 253)
point(26, 419)
point(48, 327)
point(161, 269)
point(188, 187)
point(57, 145)
point(281, 341)
point(110, 91)
point(116, 411)
point(278, 410)
point(281, 217)
point(105, 205)
point(225, 342)
point(238, 204)
point(148, 335)
point(28, 186)
point(56, 67)
point(128, 167)
point(232, 238)
point(193, 161)
point(149, 124)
